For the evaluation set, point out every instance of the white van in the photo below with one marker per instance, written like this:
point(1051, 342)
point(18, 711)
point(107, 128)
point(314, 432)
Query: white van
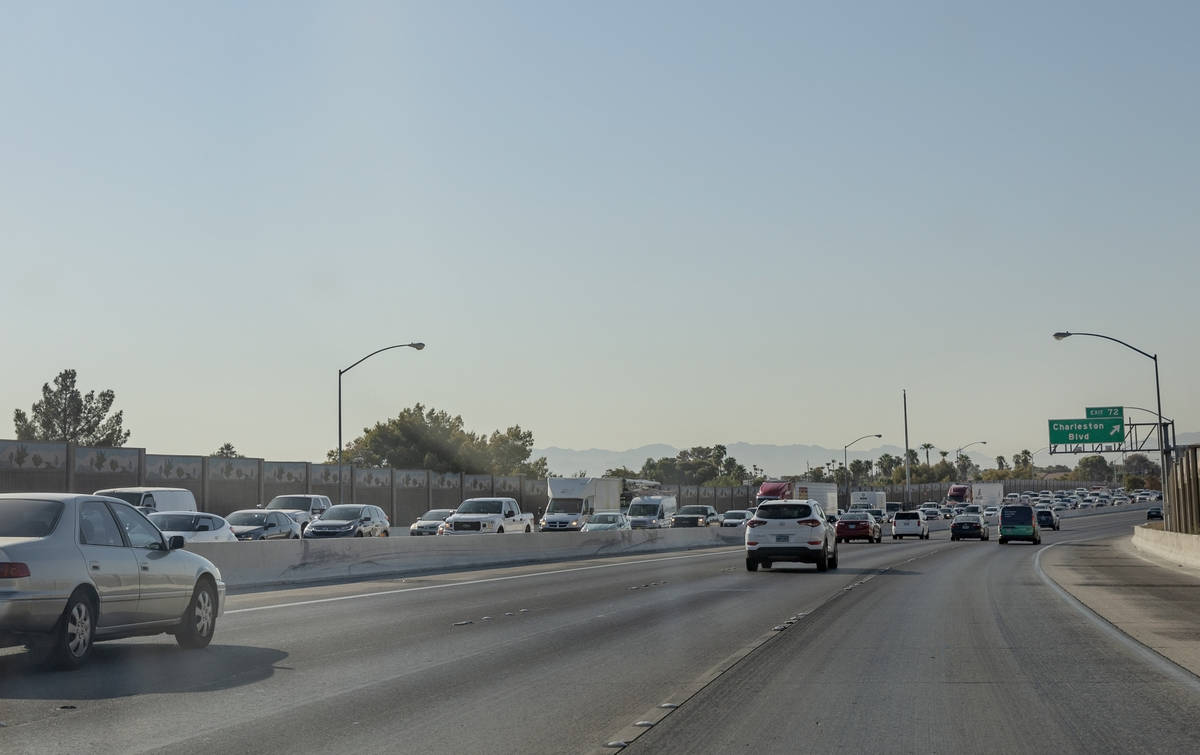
point(651, 511)
point(154, 499)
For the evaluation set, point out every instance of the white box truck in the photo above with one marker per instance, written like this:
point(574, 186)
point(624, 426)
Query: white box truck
point(867, 499)
point(824, 493)
point(987, 494)
point(573, 501)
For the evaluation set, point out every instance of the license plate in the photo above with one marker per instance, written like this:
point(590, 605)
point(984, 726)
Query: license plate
point(781, 538)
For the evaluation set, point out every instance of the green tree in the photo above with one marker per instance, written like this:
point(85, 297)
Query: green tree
point(1094, 468)
point(1001, 463)
point(421, 438)
point(1133, 482)
point(227, 451)
point(1140, 465)
point(1022, 465)
point(65, 414)
point(927, 447)
point(699, 465)
point(622, 472)
point(886, 463)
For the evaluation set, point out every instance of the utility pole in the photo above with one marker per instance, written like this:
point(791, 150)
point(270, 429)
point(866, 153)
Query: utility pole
point(907, 473)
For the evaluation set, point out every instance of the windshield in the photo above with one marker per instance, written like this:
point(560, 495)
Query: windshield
point(342, 514)
point(436, 514)
point(177, 522)
point(786, 511)
point(24, 518)
point(289, 502)
point(693, 510)
point(1016, 515)
point(644, 509)
point(247, 519)
point(605, 519)
point(735, 514)
point(564, 506)
point(483, 506)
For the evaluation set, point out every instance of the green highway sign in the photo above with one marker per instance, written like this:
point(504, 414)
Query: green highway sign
point(1098, 412)
point(1091, 430)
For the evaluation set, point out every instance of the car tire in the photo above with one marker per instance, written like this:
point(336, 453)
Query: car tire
point(895, 537)
point(528, 528)
point(1003, 541)
point(833, 561)
point(200, 619)
point(386, 533)
point(751, 565)
point(954, 538)
point(823, 560)
point(499, 530)
point(74, 635)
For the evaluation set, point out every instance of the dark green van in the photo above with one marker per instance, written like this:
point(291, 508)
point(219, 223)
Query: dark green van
point(1018, 522)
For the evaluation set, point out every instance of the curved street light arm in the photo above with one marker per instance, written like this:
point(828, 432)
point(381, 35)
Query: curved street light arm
point(415, 345)
point(1064, 334)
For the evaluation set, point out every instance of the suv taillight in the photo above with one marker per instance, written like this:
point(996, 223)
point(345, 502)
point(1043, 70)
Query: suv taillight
point(756, 523)
point(810, 522)
point(13, 570)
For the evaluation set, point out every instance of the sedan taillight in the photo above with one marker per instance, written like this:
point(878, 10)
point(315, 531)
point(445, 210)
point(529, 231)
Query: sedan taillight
point(756, 522)
point(13, 570)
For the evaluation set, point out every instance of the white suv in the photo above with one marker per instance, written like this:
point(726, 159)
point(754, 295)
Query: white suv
point(790, 530)
point(909, 523)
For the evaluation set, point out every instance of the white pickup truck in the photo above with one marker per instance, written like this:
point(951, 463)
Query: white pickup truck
point(483, 516)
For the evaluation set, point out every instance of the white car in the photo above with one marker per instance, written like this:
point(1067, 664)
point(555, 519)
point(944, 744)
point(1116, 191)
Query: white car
point(790, 530)
point(991, 513)
point(606, 520)
point(193, 527)
point(909, 524)
point(735, 518)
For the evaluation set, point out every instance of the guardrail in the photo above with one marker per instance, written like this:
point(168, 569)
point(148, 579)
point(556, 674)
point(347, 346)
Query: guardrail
point(1177, 547)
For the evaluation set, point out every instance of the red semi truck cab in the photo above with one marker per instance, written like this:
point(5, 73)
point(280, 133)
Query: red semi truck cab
point(958, 494)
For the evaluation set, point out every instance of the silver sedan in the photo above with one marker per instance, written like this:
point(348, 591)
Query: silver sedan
point(76, 569)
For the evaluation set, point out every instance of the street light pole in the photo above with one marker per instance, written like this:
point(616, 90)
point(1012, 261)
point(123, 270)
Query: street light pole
point(417, 345)
point(958, 451)
point(846, 462)
point(1163, 451)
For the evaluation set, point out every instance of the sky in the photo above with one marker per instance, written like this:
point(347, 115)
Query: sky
point(613, 223)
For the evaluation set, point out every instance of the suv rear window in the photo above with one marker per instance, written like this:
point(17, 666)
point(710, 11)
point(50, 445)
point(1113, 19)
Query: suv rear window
point(784, 511)
point(908, 515)
point(1016, 515)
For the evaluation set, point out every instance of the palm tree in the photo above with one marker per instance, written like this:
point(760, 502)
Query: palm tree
point(927, 447)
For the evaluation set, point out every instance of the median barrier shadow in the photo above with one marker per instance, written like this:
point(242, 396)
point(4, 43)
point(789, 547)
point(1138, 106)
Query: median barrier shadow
point(123, 669)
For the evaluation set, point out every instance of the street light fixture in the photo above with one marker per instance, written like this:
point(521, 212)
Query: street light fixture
point(417, 345)
point(846, 461)
point(1162, 435)
point(958, 451)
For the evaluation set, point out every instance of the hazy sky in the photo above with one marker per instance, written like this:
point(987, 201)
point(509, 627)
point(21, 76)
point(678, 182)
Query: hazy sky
point(614, 223)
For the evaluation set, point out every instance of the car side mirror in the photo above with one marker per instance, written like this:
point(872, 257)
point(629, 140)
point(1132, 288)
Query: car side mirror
point(175, 542)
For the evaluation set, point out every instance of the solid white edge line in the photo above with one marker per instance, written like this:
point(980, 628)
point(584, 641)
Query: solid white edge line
point(397, 591)
point(1145, 652)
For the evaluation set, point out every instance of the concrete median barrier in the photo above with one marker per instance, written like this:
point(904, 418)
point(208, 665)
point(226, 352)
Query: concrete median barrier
point(1176, 547)
point(262, 564)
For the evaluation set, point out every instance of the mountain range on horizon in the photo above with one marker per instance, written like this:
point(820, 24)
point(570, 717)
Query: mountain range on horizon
point(775, 460)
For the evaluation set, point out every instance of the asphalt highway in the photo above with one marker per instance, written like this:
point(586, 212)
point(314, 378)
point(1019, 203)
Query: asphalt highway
point(910, 646)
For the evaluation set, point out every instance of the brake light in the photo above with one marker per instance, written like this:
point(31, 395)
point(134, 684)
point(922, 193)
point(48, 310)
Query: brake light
point(810, 522)
point(13, 570)
point(756, 522)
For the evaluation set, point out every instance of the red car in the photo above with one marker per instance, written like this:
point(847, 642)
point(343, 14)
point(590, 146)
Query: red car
point(859, 525)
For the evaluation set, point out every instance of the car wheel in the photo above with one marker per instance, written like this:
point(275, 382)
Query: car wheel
point(499, 530)
point(386, 533)
point(953, 538)
point(528, 528)
point(833, 560)
point(751, 565)
point(823, 560)
point(358, 534)
point(200, 618)
point(895, 537)
point(1003, 541)
point(74, 634)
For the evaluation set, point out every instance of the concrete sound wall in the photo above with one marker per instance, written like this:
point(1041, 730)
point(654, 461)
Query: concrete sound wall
point(258, 564)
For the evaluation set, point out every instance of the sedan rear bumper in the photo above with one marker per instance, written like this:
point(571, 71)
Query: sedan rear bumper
point(24, 614)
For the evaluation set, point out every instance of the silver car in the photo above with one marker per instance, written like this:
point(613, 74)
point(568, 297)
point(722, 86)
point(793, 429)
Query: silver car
point(76, 569)
point(606, 520)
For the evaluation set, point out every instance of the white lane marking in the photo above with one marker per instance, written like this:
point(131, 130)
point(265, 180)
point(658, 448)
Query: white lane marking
point(470, 582)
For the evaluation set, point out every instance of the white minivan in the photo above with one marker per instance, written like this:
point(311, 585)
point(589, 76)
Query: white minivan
point(154, 499)
point(909, 524)
point(651, 511)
